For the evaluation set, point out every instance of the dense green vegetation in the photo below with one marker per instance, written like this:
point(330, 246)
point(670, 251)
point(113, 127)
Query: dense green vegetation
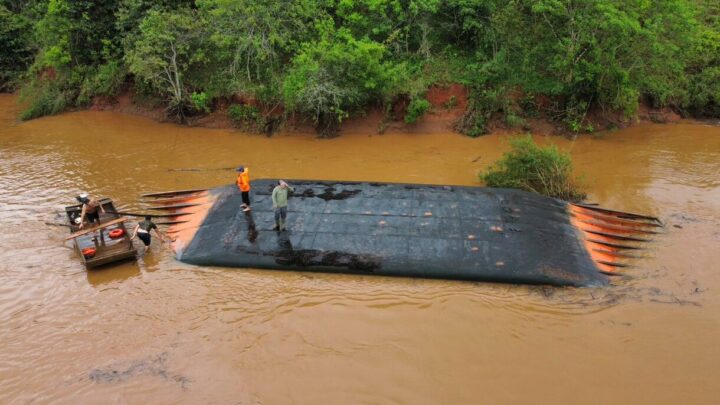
point(327, 59)
point(540, 169)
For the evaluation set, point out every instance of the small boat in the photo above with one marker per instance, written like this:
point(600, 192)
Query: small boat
point(409, 230)
point(103, 244)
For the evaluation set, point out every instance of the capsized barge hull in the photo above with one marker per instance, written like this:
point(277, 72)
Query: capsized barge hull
point(427, 231)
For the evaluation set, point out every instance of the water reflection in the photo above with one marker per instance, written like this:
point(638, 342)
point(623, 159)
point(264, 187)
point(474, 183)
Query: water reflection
point(252, 232)
point(285, 252)
point(100, 276)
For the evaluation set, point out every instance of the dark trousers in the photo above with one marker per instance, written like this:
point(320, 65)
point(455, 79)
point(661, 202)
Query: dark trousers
point(145, 237)
point(92, 217)
point(280, 215)
point(246, 198)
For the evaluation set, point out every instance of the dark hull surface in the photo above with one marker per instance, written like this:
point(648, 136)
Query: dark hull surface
point(448, 232)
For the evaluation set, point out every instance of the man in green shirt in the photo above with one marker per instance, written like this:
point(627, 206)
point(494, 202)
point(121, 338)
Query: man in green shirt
point(280, 202)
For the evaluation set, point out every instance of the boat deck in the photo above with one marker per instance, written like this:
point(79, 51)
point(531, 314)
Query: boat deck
point(108, 250)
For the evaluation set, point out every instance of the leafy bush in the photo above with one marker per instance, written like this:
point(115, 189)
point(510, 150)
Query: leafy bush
point(451, 103)
point(704, 66)
point(105, 81)
point(200, 102)
point(245, 116)
point(543, 170)
point(514, 121)
point(45, 98)
point(483, 103)
point(705, 93)
point(108, 79)
point(417, 108)
point(52, 91)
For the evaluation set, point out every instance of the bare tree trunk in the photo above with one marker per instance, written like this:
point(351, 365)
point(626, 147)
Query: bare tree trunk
point(172, 76)
point(424, 40)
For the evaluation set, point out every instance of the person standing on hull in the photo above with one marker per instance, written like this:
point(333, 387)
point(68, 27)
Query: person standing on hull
point(280, 203)
point(243, 183)
point(142, 231)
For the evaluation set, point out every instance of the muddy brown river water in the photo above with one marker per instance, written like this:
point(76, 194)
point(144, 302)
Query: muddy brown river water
point(159, 331)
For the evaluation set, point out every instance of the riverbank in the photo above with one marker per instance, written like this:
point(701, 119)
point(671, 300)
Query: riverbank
point(447, 106)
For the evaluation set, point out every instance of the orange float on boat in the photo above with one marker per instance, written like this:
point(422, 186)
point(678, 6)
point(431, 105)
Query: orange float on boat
point(116, 233)
point(89, 252)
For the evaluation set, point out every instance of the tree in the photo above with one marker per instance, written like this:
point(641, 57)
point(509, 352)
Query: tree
point(403, 26)
point(336, 74)
point(597, 51)
point(326, 59)
point(703, 67)
point(255, 40)
point(169, 46)
point(76, 33)
point(16, 52)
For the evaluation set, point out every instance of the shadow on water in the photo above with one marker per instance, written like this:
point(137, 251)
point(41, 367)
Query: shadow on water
point(113, 273)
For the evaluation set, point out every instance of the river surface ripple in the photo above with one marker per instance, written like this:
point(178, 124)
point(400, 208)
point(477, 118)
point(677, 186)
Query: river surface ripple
point(163, 332)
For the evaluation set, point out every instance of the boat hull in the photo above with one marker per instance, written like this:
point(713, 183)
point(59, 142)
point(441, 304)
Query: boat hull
point(426, 231)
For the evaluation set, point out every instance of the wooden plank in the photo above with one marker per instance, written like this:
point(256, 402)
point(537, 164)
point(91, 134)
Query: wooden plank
point(98, 227)
point(175, 200)
point(619, 214)
point(93, 263)
point(172, 207)
point(171, 223)
point(139, 214)
point(172, 193)
point(77, 207)
point(110, 251)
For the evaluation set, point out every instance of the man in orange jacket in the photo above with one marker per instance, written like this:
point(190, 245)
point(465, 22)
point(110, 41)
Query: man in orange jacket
point(243, 183)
